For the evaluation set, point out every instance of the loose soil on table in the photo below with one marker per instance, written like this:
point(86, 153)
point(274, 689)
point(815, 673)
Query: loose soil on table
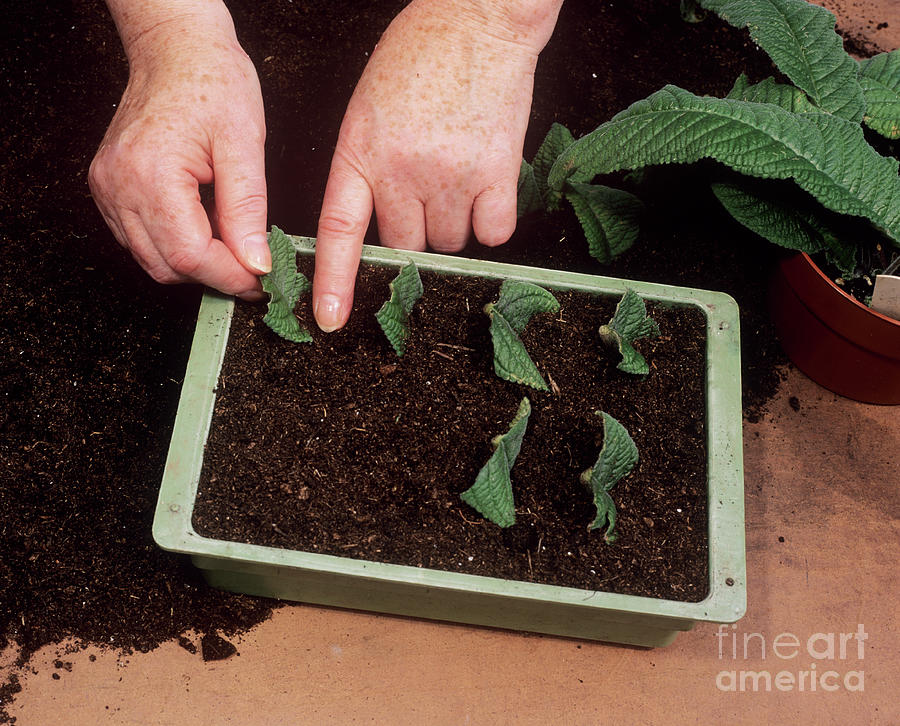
point(93, 351)
point(341, 447)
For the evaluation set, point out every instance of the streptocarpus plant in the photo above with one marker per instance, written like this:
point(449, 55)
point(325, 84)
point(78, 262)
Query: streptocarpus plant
point(609, 217)
point(808, 133)
point(629, 323)
point(616, 460)
point(491, 494)
point(285, 285)
point(509, 315)
point(393, 317)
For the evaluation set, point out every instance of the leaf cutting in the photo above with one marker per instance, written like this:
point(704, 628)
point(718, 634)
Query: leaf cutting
point(491, 494)
point(629, 323)
point(285, 285)
point(518, 302)
point(393, 317)
point(616, 460)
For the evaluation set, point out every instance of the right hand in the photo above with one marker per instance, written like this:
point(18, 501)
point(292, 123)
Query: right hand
point(191, 114)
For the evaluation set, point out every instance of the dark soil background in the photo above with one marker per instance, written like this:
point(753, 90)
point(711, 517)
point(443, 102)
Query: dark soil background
point(340, 447)
point(92, 351)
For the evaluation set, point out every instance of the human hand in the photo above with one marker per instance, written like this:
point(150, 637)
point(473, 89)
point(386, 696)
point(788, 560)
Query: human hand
point(432, 138)
point(191, 114)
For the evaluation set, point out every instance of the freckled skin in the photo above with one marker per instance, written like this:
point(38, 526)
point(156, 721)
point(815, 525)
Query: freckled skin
point(432, 138)
point(431, 141)
point(191, 114)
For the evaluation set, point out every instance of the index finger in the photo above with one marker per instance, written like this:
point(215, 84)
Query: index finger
point(345, 215)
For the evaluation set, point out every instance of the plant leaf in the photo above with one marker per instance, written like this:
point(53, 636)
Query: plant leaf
point(509, 315)
point(610, 218)
point(285, 285)
point(519, 301)
point(800, 39)
point(528, 196)
point(788, 97)
point(511, 360)
point(393, 317)
point(557, 140)
point(785, 220)
point(880, 81)
point(825, 155)
point(491, 494)
point(616, 460)
point(630, 323)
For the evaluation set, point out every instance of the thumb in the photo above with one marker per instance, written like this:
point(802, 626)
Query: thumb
point(240, 189)
point(346, 210)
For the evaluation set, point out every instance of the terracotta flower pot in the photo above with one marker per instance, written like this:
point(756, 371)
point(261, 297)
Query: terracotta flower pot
point(833, 338)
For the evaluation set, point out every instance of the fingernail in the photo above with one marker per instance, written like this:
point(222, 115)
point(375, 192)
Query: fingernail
point(328, 312)
point(252, 295)
point(256, 253)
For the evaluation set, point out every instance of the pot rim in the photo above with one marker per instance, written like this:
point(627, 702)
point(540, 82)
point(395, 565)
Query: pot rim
point(839, 310)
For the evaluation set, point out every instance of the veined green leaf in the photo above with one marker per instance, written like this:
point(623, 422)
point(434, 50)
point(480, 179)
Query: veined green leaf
point(284, 285)
point(519, 301)
point(557, 140)
point(491, 494)
point(393, 317)
point(800, 39)
point(790, 222)
point(511, 360)
point(610, 218)
point(509, 315)
point(528, 196)
point(825, 155)
point(880, 81)
point(616, 460)
point(629, 323)
point(768, 91)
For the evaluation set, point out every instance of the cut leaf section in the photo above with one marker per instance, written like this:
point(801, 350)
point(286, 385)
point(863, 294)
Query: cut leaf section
point(285, 285)
point(673, 126)
point(616, 460)
point(491, 494)
point(800, 39)
point(879, 77)
point(393, 317)
point(518, 302)
point(610, 218)
point(629, 323)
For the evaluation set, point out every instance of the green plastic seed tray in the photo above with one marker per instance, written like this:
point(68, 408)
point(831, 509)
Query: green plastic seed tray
point(451, 596)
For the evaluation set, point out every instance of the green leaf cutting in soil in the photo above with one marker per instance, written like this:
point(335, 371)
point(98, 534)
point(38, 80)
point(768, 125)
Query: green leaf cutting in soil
point(393, 317)
point(630, 323)
point(285, 285)
point(616, 460)
point(491, 494)
point(518, 302)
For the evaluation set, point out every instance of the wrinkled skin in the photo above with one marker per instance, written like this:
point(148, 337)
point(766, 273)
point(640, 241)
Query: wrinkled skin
point(431, 141)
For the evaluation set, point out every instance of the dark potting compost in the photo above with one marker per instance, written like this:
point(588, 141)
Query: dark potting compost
point(342, 447)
